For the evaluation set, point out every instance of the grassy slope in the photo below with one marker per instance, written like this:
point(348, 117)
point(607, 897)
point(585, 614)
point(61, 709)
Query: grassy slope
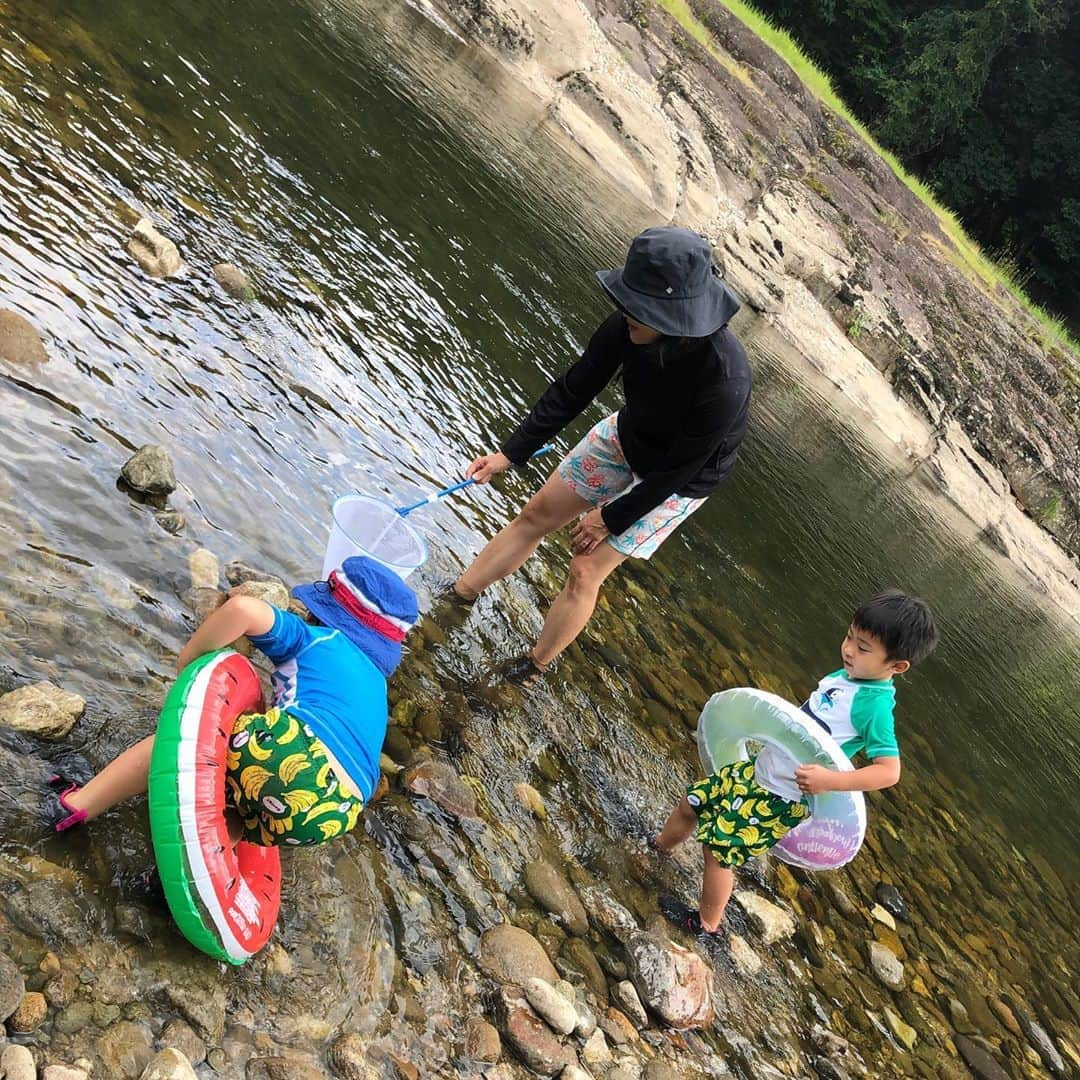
point(968, 255)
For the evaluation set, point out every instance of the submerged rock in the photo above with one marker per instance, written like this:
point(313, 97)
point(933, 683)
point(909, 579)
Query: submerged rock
point(149, 471)
point(17, 1063)
point(348, 1059)
point(234, 281)
point(772, 922)
point(888, 896)
point(204, 568)
point(605, 911)
point(1039, 1038)
point(482, 1041)
point(20, 344)
point(747, 962)
point(551, 890)
point(12, 987)
point(513, 955)
point(30, 1014)
point(672, 981)
point(978, 1060)
point(626, 997)
point(531, 799)
point(155, 253)
point(551, 1006)
point(443, 786)
point(125, 1050)
point(886, 966)
point(169, 1064)
point(528, 1036)
point(41, 709)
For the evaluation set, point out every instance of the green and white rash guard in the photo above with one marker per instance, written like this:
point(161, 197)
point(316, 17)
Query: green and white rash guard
point(858, 713)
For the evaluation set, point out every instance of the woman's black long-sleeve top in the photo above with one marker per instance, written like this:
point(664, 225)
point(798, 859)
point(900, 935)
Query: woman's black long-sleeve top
point(680, 429)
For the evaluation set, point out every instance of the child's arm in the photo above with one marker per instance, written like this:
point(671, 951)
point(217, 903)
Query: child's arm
point(240, 616)
point(883, 773)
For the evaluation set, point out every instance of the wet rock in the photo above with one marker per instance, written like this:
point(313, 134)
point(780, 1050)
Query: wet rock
point(551, 1006)
point(149, 471)
point(531, 799)
point(1006, 1016)
point(17, 1063)
point(828, 1042)
point(586, 1020)
point(63, 1072)
point(125, 1050)
point(595, 1050)
point(673, 982)
point(828, 1069)
point(879, 914)
point(886, 966)
point(978, 1060)
point(204, 569)
point(12, 987)
point(20, 344)
point(1039, 1038)
point(605, 911)
point(903, 1032)
point(234, 281)
point(42, 710)
point(511, 955)
point(273, 592)
point(615, 1024)
point(747, 962)
point(482, 1041)
point(528, 1036)
point(439, 782)
point(168, 1064)
point(958, 1017)
point(172, 521)
point(574, 1072)
point(295, 1067)
point(772, 922)
point(78, 1015)
point(348, 1057)
point(888, 896)
point(841, 901)
point(626, 998)
point(580, 958)
point(202, 603)
point(397, 745)
point(156, 254)
point(181, 1036)
point(202, 1003)
point(550, 889)
point(30, 1014)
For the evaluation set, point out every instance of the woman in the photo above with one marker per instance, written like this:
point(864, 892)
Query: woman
point(638, 474)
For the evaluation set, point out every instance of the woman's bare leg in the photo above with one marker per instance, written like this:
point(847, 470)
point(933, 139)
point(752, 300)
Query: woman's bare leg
point(573, 607)
point(123, 777)
point(552, 507)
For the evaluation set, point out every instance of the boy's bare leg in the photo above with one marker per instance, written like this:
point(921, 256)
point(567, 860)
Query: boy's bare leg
point(235, 825)
point(680, 824)
point(123, 777)
point(716, 885)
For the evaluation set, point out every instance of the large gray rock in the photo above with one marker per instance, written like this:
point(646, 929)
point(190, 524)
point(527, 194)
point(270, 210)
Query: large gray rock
point(149, 471)
point(12, 987)
point(155, 253)
point(19, 341)
point(513, 955)
point(42, 710)
point(551, 890)
point(673, 982)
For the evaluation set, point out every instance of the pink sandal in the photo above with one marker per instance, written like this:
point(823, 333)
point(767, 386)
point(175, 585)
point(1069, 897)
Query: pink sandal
point(60, 814)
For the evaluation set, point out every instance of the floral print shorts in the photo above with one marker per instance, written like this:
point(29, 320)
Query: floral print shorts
point(279, 779)
point(596, 470)
point(737, 818)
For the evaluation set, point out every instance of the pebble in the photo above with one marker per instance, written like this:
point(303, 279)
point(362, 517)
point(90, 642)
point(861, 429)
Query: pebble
point(903, 1032)
point(62, 1072)
point(149, 471)
point(878, 913)
point(886, 966)
point(17, 1063)
point(482, 1041)
point(156, 254)
point(204, 569)
point(978, 1060)
point(349, 1059)
point(626, 997)
point(559, 1014)
point(550, 889)
point(181, 1036)
point(510, 954)
point(30, 1014)
point(234, 281)
point(595, 1050)
point(169, 1064)
point(172, 521)
point(888, 896)
point(531, 799)
point(772, 922)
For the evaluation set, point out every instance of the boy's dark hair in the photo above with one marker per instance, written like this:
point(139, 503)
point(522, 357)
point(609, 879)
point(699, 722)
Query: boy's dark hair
point(902, 623)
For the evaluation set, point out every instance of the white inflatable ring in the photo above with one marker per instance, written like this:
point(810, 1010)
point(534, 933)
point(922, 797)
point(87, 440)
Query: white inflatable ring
point(834, 832)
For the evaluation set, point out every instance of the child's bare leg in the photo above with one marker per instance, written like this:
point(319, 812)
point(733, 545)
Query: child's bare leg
point(123, 777)
point(235, 825)
point(680, 824)
point(716, 885)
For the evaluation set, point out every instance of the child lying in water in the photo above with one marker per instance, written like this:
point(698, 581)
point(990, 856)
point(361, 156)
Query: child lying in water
point(329, 687)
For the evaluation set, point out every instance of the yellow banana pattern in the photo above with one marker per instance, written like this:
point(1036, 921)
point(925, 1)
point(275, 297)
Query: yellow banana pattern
point(279, 779)
point(737, 818)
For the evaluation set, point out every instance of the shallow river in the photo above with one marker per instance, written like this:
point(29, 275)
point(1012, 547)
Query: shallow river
point(420, 272)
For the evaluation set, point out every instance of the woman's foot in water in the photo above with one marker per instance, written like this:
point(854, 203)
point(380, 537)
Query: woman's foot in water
point(524, 671)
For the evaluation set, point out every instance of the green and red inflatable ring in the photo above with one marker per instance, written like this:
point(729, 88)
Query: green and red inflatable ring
point(224, 900)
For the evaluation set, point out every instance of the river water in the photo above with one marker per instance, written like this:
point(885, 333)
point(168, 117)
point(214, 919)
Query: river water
point(422, 252)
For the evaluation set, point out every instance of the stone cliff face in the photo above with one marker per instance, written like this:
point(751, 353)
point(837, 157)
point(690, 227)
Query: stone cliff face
point(824, 242)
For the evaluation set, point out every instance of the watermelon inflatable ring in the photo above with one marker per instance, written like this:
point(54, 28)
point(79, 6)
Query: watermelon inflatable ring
point(224, 900)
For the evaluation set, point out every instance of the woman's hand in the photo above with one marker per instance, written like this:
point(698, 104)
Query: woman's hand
point(814, 779)
point(589, 533)
point(486, 466)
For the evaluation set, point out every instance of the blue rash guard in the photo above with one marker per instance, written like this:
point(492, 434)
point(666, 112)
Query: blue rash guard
point(329, 685)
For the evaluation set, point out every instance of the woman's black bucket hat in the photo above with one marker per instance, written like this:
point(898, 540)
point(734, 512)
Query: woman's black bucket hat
point(669, 283)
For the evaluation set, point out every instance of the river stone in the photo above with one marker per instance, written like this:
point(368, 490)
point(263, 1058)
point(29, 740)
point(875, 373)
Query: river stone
point(1039, 1038)
point(1006, 1016)
point(886, 966)
point(772, 922)
point(17, 1063)
point(841, 901)
point(978, 1060)
point(20, 344)
point(172, 521)
point(747, 962)
point(12, 987)
point(273, 592)
point(528, 1036)
point(512, 955)
point(672, 981)
point(626, 997)
point(595, 1050)
point(605, 911)
point(579, 955)
point(234, 281)
point(615, 1024)
point(64, 1072)
point(550, 889)
point(349, 1059)
point(41, 709)
point(150, 471)
point(202, 1003)
point(879, 914)
point(559, 1014)
point(574, 1072)
point(181, 1036)
point(204, 569)
point(903, 1032)
point(295, 1067)
point(125, 1050)
point(482, 1041)
point(531, 799)
point(888, 896)
point(442, 786)
point(168, 1064)
point(586, 1020)
point(30, 1014)
point(155, 253)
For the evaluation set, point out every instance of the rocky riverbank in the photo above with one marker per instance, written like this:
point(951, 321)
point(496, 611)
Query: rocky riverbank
point(848, 269)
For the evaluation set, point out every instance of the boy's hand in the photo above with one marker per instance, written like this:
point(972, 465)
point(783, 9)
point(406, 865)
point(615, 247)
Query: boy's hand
point(814, 779)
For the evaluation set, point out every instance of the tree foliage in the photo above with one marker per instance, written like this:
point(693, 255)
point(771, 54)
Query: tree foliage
point(982, 99)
